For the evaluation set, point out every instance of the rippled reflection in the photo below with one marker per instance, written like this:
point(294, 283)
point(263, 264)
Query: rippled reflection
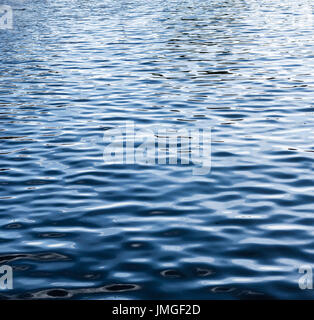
point(74, 227)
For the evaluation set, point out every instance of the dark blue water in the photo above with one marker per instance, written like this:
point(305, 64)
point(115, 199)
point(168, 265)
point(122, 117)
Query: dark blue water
point(73, 226)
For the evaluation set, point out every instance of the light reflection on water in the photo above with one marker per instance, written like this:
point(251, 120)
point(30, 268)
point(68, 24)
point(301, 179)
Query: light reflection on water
point(75, 227)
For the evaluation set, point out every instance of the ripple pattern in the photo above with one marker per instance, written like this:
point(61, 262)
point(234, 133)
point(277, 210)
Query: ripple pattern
point(74, 227)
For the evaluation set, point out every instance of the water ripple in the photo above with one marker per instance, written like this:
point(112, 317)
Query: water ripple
point(74, 227)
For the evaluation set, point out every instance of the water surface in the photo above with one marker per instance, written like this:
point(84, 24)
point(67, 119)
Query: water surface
point(73, 226)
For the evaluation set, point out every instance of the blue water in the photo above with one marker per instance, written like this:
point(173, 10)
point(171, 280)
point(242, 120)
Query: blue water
point(73, 226)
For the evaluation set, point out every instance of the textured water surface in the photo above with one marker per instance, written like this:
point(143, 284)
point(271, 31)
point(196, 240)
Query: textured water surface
point(73, 226)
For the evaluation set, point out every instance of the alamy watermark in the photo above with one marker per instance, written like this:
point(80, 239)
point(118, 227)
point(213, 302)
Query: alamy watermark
point(6, 17)
point(6, 277)
point(306, 281)
point(149, 146)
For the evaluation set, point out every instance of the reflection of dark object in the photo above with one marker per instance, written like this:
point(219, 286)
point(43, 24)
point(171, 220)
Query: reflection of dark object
point(223, 289)
point(171, 274)
point(121, 287)
point(69, 293)
point(57, 293)
point(4, 259)
point(216, 72)
point(13, 226)
point(52, 235)
point(25, 296)
point(204, 272)
point(49, 256)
